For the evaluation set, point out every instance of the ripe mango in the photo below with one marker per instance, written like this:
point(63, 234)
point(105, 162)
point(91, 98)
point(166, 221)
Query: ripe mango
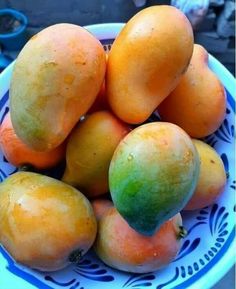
point(198, 103)
point(89, 151)
point(121, 247)
point(44, 223)
point(212, 177)
point(146, 61)
point(55, 80)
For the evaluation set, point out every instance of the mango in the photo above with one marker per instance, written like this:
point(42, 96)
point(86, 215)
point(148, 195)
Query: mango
point(122, 248)
point(198, 103)
point(146, 61)
point(212, 177)
point(100, 207)
point(44, 223)
point(19, 154)
point(152, 175)
point(55, 80)
point(89, 151)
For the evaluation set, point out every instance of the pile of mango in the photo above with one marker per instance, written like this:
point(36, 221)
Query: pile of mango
point(69, 100)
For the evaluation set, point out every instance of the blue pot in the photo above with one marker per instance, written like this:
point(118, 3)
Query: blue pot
point(14, 40)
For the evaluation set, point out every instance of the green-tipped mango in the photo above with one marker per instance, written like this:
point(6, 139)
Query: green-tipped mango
point(152, 175)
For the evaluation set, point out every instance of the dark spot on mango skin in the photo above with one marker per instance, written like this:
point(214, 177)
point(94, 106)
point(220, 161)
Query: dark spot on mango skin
point(212, 161)
point(49, 64)
point(75, 256)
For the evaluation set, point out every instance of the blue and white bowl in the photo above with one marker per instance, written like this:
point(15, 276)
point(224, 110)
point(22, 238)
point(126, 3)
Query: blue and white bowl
point(208, 251)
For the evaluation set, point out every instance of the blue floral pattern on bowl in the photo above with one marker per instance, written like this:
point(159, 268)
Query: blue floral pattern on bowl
point(206, 252)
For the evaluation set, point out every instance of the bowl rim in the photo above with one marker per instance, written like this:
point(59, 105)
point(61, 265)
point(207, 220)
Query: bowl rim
point(18, 15)
point(108, 31)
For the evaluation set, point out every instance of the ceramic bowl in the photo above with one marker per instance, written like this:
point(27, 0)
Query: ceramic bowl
point(207, 252)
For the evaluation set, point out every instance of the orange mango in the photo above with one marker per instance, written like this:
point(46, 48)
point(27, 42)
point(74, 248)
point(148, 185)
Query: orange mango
point(212, 177)
point(146, 61)
point(55, 80)
point(44, 223)
point(121, 247)
point(89, 151)
point(198, 103)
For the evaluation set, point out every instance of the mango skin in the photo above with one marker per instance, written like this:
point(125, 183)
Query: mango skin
point(212, 177)
point(89, 151)
point(122, 248)
point(198, 103)
point(19, 154)
point(42, 221)
point(101, 206)
point(56, 78)
point(100, 102)
point(146, 61)
point(152, 175)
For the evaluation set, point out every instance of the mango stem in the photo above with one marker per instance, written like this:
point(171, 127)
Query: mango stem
point(182, 232)
point(27, 168)
point(75, 256)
